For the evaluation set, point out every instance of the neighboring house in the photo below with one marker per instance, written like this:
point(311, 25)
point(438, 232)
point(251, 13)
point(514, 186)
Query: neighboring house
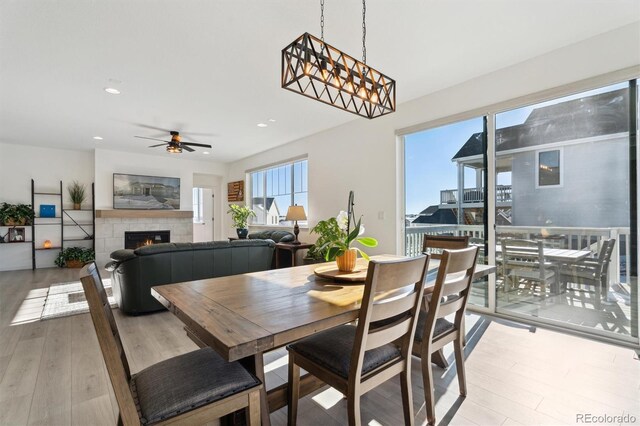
point(568, 164)
point(267, 208)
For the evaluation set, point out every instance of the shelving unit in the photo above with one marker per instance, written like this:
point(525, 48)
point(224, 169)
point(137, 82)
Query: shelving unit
point(73, 221)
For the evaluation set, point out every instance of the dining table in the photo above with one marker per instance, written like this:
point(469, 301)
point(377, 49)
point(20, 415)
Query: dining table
point(243, 316)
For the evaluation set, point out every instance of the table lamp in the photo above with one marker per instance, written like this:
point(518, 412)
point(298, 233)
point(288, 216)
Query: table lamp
point(296, 213)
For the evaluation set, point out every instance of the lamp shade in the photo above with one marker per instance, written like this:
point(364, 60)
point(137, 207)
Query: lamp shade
point(296, 213)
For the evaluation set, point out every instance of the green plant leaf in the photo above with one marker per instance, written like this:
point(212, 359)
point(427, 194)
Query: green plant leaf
point(363, 254)
point(368, 241)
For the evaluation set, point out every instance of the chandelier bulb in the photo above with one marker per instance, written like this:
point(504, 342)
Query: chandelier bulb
point(374, 96)
point(362, 91)
point(324, 71)
point(307, 64)
point(350, 88)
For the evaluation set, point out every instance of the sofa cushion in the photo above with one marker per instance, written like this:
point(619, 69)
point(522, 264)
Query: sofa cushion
point(275, 235)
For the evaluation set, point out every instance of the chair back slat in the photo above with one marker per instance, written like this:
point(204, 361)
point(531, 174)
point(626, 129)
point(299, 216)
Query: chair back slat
point(604, 257)
point(434, 244)
point(523, 254)
point(456, 270)
point(110, 343)
point(450, 306)
point(387, 334)
point(398, 276)
point(392, 296)
point(393, 307)
point(455, 284)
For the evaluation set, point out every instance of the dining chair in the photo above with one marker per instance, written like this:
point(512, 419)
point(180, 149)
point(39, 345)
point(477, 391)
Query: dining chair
point(356, 358)
point(592, 272)
point(523, 261)
point(434, 244)
point(193, 388)
point(447, 297)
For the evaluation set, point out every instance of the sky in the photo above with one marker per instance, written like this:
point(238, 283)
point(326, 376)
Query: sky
point(428, 165)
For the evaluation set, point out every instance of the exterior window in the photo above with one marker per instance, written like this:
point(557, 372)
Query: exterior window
point(549, 168)
point(198, 214)
point(274, 189)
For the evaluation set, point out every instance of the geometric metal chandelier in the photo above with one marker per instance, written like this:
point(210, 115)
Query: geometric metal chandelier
point(319, 71)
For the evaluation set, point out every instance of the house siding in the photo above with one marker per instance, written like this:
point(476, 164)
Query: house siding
point(594, 190)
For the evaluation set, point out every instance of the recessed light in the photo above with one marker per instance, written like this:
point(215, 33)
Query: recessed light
point(112, 91)
point(206, 152)
point(98, 138)
point(272, 120)
point(262, 125)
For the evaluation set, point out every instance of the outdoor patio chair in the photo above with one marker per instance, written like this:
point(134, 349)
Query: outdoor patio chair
point(523, 263)
point(592, 272)
point(434, 244)
point(357, 358)
point(448, 297)
point(193, 388)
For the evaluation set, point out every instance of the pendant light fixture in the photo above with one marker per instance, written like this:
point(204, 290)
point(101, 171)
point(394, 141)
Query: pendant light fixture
point(319, 71)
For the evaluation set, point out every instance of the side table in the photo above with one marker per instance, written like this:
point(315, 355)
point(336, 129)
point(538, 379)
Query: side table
point(292, 248)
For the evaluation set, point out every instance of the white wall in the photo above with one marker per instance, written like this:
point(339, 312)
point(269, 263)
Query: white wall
point(110, 162)
point(362, 155)
point(47, 167)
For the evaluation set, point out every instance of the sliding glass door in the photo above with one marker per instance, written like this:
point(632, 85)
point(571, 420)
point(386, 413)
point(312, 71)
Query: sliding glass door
point(445, 188)
point(560, 211)
point(563, 212)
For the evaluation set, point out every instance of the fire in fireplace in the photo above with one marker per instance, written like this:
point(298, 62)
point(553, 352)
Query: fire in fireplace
point(135, 239)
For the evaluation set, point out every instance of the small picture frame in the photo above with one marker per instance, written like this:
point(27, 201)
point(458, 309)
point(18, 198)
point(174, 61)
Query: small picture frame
point(16, 235)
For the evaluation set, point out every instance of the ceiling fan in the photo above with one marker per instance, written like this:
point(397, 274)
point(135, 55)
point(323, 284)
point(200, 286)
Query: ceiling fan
point(175, 145)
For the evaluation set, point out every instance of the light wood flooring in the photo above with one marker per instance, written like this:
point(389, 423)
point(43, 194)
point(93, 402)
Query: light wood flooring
point(52, 373)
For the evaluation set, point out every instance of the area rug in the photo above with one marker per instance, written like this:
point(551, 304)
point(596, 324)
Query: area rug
point(64, 299)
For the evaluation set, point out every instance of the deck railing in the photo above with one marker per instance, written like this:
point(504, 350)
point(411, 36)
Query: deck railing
point(475, 195)
point(575, 238)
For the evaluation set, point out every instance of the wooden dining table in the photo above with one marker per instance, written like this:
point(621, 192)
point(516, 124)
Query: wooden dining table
point(243, 316)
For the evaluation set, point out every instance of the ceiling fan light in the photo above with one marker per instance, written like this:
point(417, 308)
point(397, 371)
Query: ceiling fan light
point(174, 149)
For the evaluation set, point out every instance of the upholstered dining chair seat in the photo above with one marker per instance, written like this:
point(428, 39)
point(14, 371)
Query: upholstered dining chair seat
point(186, 382)
point(332, 349)
point(441, 327)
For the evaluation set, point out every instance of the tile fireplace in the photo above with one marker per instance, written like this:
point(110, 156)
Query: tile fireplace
point(135, 239)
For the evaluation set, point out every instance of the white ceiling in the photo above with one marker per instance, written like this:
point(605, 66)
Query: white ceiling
point(214, 66)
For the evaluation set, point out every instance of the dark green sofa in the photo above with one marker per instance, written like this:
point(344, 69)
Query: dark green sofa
point(134, 272)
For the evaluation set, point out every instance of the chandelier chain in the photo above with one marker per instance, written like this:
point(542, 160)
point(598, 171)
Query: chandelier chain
point(364, 32)
point(322, 20)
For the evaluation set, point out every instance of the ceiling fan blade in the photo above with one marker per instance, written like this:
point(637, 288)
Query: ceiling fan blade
point(151, 139)
point(186, 148)
point(146, 126)
point(195, 144)
point(155, 146)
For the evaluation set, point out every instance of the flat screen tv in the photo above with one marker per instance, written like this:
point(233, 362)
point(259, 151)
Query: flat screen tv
point(136, 192)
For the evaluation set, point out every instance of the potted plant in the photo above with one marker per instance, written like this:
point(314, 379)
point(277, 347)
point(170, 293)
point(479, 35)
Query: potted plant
point(327, 230)
point(240, 216)
point(16, 214)
point(77, 193)
point(74, 257)
point(338, 246)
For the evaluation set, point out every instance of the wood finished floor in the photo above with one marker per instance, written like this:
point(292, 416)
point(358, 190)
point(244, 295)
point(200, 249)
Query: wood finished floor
point(52, 373)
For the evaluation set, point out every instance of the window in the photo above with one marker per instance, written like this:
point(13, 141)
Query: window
point(198, 213)
point(274, 189)
point(549, 168)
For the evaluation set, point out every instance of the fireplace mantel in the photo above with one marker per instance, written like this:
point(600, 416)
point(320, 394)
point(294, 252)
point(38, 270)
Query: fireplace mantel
point(170, 214)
